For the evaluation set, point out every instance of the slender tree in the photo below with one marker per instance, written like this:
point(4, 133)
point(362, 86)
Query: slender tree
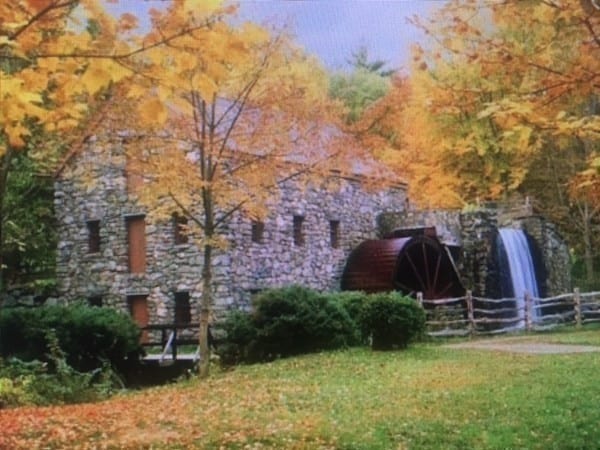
point(225, 118)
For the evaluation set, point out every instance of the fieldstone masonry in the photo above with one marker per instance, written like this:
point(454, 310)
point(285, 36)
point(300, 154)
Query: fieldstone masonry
point(94, 188)
point(475, 233)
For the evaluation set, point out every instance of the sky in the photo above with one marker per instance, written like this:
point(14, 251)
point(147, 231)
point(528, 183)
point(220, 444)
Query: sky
point(334, 29)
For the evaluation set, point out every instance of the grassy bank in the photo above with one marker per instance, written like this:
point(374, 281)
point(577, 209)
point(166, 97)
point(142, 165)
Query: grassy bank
point(427, 397)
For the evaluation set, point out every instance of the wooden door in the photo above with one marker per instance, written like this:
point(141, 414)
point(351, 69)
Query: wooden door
point(138, 308)
point(136, 240)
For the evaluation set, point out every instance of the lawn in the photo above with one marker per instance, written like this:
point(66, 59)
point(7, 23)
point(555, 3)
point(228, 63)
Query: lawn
point(427, 397)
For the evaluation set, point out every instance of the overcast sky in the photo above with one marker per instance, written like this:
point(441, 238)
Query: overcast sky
point(333, 29)
point(330, 29)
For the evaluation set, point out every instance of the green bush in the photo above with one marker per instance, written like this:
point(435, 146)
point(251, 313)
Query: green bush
point(31, 382)
point(295, 320)
point(392, 320)
point(288, 321)
point(90, 336)
point(354, 303)
point(240, 338)
point(14, 392)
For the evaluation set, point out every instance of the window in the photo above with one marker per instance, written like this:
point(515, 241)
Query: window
point(183, 313)
point(136, 243)
point(258, 230)
point(95, 300)
point(180, 229)
point(93, 227)
point(298, 231)
point(334, 233)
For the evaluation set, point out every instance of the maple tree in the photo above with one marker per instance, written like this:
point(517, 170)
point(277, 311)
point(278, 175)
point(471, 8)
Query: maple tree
point(497, 85)
point(216, 124)
point(57, 60)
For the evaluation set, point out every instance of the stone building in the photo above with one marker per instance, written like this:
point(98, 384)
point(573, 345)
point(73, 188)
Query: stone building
point(110, 253)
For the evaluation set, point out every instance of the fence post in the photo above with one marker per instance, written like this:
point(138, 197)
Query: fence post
point(470, 313)
point(577, 300)
point(420, 300)
point(174, 343)
point(528, 311)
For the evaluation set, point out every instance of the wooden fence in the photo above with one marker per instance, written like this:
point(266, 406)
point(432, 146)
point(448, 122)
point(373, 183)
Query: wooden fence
point(471, 315)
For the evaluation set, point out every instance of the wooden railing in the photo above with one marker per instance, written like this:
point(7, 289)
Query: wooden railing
point(169, 337)
point(470, 315)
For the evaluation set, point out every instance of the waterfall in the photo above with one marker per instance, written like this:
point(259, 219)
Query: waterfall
point(522, 270)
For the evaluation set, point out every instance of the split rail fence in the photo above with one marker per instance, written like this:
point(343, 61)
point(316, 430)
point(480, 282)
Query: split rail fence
point(471, 315)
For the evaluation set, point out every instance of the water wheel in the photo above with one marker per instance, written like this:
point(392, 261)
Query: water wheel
point(409, 264)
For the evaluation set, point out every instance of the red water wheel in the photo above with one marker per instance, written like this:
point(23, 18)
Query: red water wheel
point(424, 265)
point(409, 264)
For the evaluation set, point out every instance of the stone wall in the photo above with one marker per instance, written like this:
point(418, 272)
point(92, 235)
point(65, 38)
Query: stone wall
point(94, 188)
point(446, 222)
point(475, 233)
point(479, 229)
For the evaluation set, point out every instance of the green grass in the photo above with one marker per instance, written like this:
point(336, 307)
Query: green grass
point(427, 397)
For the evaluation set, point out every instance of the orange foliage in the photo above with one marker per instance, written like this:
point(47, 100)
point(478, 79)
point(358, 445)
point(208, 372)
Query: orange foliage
point(496, 83)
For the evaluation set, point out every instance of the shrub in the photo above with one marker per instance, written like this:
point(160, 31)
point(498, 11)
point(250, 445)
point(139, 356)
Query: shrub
point(240, 338)
point(89, 336)
point(392, 320)
point(14, 392)
point(354, 303)
point(295, 320)
point(31, 383)
point(287, 321)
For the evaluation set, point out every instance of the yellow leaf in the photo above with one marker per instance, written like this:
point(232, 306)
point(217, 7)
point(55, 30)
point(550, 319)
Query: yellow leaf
point(152, 111)
point(163, 93)
point(15, 135)
point(136, 91)
point(205, 86)
point(200, 6)
point(29, 97)
point(95, 78)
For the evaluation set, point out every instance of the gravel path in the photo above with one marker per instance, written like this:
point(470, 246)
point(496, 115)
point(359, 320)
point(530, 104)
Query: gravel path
point(520, 346)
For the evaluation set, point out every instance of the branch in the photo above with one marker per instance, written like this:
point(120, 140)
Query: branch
point(129, 54)
point(186, 211)
point(40, 14)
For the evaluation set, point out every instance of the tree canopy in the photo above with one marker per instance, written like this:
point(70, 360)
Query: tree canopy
point(502, 92)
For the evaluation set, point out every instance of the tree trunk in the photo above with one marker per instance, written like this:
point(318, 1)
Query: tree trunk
point(588, 255)
point(5, 162)
point(205, 310)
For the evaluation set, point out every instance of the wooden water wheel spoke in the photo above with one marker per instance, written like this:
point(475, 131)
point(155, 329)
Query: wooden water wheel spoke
point(426, 266)
point(437, 267)
point(409, 264)
point(416, 272)
point(442, 292)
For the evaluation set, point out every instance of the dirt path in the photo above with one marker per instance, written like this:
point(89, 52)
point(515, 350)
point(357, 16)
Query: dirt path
point(518, 345)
